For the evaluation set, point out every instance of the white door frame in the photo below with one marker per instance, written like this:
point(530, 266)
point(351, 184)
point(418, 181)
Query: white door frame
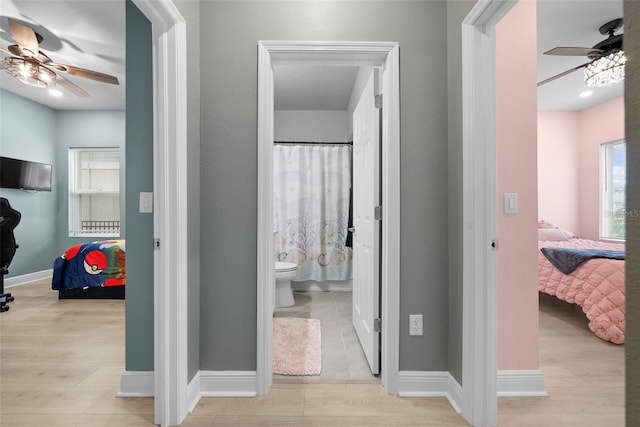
point(170, 209)
point(331, 53)
point(480, 295)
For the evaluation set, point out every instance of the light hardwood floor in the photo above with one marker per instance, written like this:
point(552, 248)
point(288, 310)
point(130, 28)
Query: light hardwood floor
point(60, 365)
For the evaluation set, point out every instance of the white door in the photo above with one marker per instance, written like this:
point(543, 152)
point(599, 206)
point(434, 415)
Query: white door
point(366, 237)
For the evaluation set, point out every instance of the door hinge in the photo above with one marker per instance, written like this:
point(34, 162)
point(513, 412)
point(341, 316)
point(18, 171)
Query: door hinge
point(378, 101)
point(377, 325)
point(377, 213)
point(156, 244)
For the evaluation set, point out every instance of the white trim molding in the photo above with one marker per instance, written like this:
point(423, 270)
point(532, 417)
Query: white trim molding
point(170, 209)
point(136, 384)
point(479, 336)
point(521, 383)
point(228, 383)
point(23, 279)
point(194, 392)
point(380, 54)
point(430, 384)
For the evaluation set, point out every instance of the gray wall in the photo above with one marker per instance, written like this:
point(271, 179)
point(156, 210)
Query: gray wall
point(228, 162)
point(456, 12)
point(190, 11)
point(27, 131)
point(632, 120)
point(139, 177)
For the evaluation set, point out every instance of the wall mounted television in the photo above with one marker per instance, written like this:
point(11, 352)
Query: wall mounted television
point(25, 175)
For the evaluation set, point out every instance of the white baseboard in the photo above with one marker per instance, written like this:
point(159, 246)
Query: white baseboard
point(193, 392)
point(136, 384)
point(430, 384)
point(203, 384)
point(330, 285)
point(10, 282)
point(228, 383)
point(521, 383)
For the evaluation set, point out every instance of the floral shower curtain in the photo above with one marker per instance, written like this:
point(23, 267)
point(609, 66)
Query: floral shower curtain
point(311, 201)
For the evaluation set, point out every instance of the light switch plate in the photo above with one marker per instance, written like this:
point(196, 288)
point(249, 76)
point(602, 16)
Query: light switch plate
point(510, 203)
point(146, 202)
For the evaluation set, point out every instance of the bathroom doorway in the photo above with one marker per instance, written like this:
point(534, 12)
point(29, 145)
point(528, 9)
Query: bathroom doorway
point(358, 55)
point(326, 184)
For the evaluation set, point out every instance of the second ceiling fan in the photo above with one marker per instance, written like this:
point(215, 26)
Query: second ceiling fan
point(606, 56)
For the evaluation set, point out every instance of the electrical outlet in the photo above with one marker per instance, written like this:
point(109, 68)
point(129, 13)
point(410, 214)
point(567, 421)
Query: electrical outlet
point(415, 324)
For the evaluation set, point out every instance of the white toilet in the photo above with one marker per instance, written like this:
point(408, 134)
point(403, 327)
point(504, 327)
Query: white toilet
point(285, 272)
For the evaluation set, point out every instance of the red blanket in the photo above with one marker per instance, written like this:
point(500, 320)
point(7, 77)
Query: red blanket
point(597, 286)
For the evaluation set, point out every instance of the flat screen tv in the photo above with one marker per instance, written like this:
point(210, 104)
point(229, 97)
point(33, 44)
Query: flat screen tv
point(23, 174)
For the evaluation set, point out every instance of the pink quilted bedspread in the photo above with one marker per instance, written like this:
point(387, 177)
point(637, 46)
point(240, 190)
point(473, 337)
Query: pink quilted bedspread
point(597, 286)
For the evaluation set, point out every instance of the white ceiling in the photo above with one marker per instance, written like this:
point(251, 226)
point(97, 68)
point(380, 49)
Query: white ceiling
point(571, 23)
point(308, 87)
point(83, 33)
point(91, 34)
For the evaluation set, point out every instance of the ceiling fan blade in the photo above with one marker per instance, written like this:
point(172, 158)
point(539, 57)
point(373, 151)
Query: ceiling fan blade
point(87, 74)
point(557, 76)
point(25, 37)
point(573, 51)
point(71, 87)
point(43, 58)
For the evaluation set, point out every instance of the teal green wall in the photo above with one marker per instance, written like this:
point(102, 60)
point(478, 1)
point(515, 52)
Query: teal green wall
point(139, 177)
point(82, 129)
point(28, 131)
point(43, 230)
point(228, 163)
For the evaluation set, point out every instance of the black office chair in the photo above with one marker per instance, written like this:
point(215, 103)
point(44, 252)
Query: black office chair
point(9, 220)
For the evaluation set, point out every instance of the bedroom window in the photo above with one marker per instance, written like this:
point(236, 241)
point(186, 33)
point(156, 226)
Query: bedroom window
point(94, 192)
point(613, 180)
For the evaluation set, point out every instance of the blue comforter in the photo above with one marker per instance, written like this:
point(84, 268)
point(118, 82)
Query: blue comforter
point(567, 260)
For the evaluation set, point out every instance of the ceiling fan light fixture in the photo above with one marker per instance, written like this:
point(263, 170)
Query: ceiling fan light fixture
point(30, 72)
point(606, 70)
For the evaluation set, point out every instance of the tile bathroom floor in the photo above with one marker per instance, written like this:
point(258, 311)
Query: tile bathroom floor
point(342, 356)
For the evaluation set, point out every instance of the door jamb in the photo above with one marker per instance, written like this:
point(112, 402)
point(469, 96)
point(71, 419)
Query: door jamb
point(170, 210)
point(331, 53)
point(480, 294)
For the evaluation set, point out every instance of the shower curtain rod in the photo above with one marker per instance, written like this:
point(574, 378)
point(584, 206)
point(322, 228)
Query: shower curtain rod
point(311, 143)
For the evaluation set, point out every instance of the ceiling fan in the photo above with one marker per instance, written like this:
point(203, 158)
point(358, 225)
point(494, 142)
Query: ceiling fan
point(27, 63)
point(606, 65)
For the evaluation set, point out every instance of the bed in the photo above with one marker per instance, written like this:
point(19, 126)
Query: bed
point(94, 270)
point(596, 284)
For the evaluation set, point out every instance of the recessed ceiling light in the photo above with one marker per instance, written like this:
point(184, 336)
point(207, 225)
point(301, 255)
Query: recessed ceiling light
point(55, 92)
point(586, 94)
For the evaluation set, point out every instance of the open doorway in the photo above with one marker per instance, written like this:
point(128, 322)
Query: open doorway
point(383, 55)
point(326, 184)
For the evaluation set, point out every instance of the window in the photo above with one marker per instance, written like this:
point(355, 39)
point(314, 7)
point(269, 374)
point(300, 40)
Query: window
point(613, 180)
point(94, 192)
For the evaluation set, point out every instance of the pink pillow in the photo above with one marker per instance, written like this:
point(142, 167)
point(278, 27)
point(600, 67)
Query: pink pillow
point(545, 224)
point(554, 234)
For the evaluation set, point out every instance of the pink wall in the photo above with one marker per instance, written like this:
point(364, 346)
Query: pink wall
point(558, 149)
point(568, 165)
point(602, 123)
point(517, 173)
